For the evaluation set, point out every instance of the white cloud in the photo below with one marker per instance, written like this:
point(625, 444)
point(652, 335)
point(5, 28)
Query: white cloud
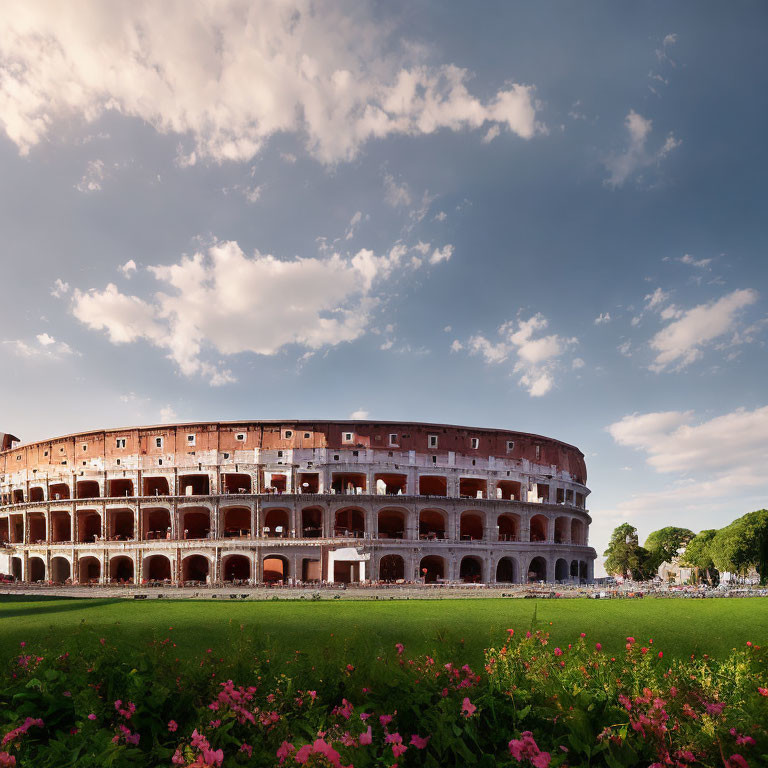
point(353, 222)
point(625, 348)
point(440, 216)
point(422, 248)
point(223, 300)
point(534, 357)
point(577, 363)
point(699, 263)
point(253, 194)
point(636, 156)
point(441, 254)
point(603, 318)
point(491, 134)
point(93, 176)
point(396, 195)
point(168, 415)
point(231, 75)
point(359, 414)
point(669, 39)
point(128, 268)
point(60, 288)
point(45, 340)
point(656, 299)
point(46, 348)
point(682, 340)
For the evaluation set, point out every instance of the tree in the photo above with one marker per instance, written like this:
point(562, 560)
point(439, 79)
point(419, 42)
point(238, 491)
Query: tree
point(624, 556)
point(743, 545)
point(698, 554)
point(664, 544)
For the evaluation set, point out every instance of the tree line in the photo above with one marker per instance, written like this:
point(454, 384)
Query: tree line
point(736, 548)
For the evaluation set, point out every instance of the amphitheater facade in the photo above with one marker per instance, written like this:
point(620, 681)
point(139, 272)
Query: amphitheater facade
point(294, 502)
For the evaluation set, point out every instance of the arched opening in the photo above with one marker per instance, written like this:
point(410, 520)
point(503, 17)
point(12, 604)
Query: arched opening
point(574, 570)
point(506, 571)
point(349, 522)
point(237, 522)
point(348, 482)
point(121, 569)
point(5, 530)
point(16, 567)
point(346, 571)
point(542, 493)
point(88, 489)
point(508, 490)
point(312, 523)
point(195, 568)
point(583, 572)
point(194, 485)
point(121, 486)
point(236, 568)
point(89, 570)
point(471, 570)
point(432, 569)
point(120, 525)
point(275, 569)
point(196, 523)
point(17, 496)
point(36, 494)
point(276, 523)
point(157, 568)
point(471, 526)
point(391, 568)
point(310, 569)
point(36, 528)
point(156, 523)
point(58, 491)
point(155, 486)
point(388, 484)
point(509, 527)
point(473, 487)
point(577, 532)
point(61, 527)
point(433, 485)
point(309, 482)
point(538, 528)
point(537, 570)
point(88, 526)
point(562, 530)
point(16, 523)
point(36, 569)
point(391, 523)
point(431, 524)
point(561, 570)
point(61, 571)
point(232, 482)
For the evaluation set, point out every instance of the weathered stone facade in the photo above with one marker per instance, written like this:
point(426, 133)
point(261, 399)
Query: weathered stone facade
point(295, 501)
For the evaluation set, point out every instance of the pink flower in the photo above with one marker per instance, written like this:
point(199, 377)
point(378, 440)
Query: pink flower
point(419, 742)
point(737, 761)
point(172, 726)
point(303, 754)
point(631, 640)
point(91, 716)
point(6, 759)
point(525, 748)
point(283, 751)
point(400, 648)
point(367, 737)
point(178, 758)
point(661, 654)
point(598, 647)
point(22, 644)
point(247, 749)
point(385, 720)
point(398, 749)
point(763, 691)
point(583, 634)
point(558, 652)
point(212, 757)
point(715, 709)
point(467, 707)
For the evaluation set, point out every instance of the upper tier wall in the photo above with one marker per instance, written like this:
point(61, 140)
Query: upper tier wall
point(275, 435)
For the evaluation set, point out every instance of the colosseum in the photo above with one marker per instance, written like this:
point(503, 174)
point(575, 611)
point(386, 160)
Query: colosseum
point(294, 502)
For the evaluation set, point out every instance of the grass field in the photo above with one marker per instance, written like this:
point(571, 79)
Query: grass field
point(459, 628)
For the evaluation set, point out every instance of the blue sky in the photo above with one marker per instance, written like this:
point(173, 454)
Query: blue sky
point(540, 217)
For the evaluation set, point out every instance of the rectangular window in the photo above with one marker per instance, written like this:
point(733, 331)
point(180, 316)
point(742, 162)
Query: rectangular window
point(434, 459)
point(158, 442)
point(510, 445)
point(240, 436)
point(347, 437)
point(85, 446)
point(190, 439)
point(279, 454)
point(475, 442)
point(120, 442)
point(393, 439)
point(432, 441)
point(45, 453)
point(538, 452)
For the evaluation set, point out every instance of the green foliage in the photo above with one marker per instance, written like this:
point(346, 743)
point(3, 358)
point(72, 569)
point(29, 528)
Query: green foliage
point(663, 545)
point(743, 545)
point(624, 556)
point(698, 554)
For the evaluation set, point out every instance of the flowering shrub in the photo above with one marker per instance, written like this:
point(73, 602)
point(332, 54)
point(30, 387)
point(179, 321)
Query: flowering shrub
point(531, 705)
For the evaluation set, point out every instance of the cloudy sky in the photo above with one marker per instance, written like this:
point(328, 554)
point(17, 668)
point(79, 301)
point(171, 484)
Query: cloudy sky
point(542, 217)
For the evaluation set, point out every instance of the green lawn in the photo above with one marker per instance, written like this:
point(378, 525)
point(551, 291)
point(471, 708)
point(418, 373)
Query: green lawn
point(359, 629)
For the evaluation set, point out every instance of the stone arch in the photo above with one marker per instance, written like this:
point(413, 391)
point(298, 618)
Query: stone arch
point(562, 572)
point(157, 567)
point(509, 526)
point(432, 524)
point(120, 524)
point(196, 567)
point(391, 523)
point(37, 528)
point(235, 567)
point(562, 530)
point(276, 522)
point(37, 493)
point(88, 569)
point(88, 526)
point(583, 570)
point(471, 525)
point(195, 522)
point(61, 526)
point(578, 532)
point(574, 570)
point(312, 522)
point(156, 523)
point(121, 569)
point(37, 569)
point(236, 522)
point(391, 568)
point(61, 569)
point(349, 521)
point(58, 491)
point(537, 570)
point(88, 489)
point(275, 568)
point(432, 568)
point(507, 571)
point(539, 524)
point(17, 566)
point(471, 569)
